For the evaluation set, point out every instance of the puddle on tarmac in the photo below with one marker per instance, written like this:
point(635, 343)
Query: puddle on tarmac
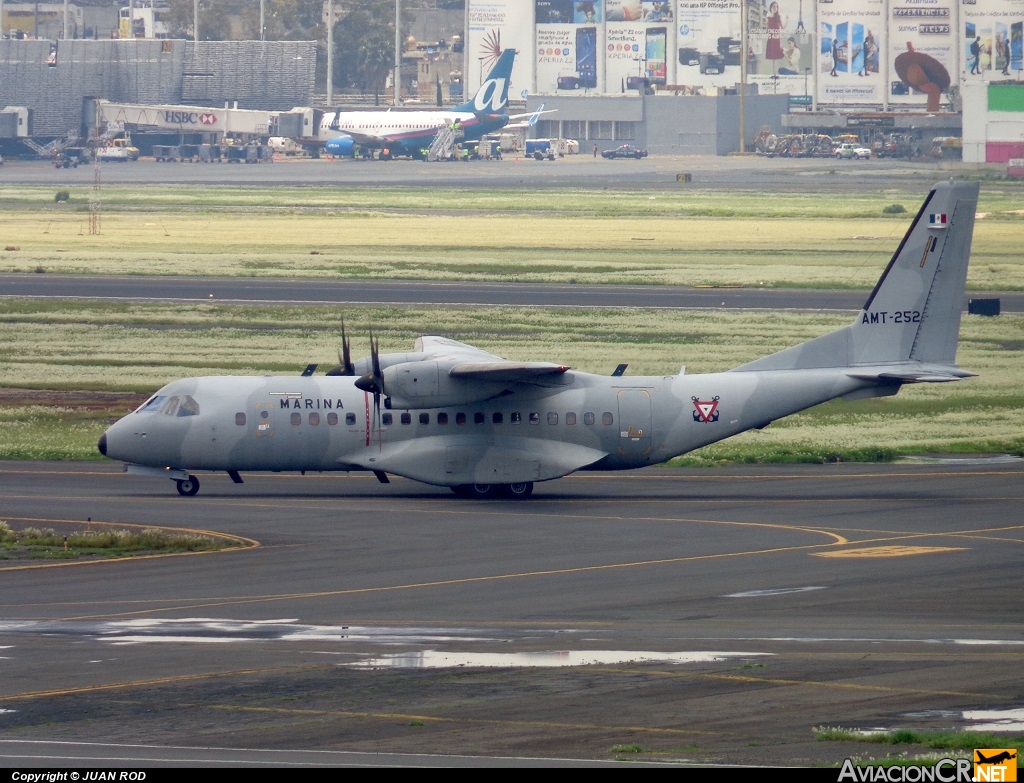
point(436, 659)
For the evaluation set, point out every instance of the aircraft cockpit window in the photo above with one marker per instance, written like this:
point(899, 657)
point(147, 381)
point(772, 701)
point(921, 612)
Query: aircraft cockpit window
point(151, 404)
point(170, 408)
point(189, 406)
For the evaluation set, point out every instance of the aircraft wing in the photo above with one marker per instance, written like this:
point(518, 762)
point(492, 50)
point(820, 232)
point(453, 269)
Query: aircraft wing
point(443, 348)
point(527, 120)
point(469, 363)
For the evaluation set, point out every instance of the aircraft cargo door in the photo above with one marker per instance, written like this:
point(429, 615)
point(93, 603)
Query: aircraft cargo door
point(635, 430)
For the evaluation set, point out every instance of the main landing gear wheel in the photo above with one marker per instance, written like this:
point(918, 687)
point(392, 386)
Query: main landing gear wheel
point(487, 491)
point(478, 491)
point(521, 490)
point(188, 487)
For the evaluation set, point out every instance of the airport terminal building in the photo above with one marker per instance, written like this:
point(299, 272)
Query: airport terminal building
point(676, 76)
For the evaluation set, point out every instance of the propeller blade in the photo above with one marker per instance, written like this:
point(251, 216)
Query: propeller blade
point(347, 368)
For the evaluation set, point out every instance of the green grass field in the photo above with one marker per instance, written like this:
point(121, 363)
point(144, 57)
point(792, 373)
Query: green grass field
point(59, 350)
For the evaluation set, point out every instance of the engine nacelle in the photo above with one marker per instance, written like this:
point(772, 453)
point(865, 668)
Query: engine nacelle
point(428, 384)
point(342, 147)
point(364, 366)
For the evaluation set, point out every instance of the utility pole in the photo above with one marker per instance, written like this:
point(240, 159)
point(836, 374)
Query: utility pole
point(398, 52)
point(330, 52)
point(195, 20)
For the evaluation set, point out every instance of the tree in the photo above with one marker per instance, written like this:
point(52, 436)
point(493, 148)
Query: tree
point(214, 22)
point(364, 45)
point(284, 20)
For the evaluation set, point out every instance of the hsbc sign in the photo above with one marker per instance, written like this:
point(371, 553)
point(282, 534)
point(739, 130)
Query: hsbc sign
point(190, 118)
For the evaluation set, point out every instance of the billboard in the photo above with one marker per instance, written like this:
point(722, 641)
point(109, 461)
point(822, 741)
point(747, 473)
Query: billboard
point(844, 52)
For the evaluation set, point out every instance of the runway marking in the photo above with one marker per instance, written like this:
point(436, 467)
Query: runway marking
point(239, 601)
point(468, 721)
point(111, 686)
point(745, 678)
point(889, 551)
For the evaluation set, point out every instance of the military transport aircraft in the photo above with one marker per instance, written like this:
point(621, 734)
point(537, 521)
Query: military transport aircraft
point(452, 415)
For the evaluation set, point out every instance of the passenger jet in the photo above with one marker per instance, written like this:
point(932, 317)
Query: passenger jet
point(452, 415)
point(411, 132)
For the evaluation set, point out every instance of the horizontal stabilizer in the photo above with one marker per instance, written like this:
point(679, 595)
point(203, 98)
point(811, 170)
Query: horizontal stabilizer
point(911, 373)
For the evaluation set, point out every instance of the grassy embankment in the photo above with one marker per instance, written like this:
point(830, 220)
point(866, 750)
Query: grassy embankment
point(604, 236)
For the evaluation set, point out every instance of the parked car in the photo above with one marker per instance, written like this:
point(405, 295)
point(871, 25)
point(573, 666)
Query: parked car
point(625, 151)
point(849, 151)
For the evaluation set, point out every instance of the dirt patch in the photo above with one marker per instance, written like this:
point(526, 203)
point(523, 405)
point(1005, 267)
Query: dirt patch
point(117, 403)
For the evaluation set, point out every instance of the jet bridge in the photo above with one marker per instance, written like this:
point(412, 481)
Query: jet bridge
point(298, 123)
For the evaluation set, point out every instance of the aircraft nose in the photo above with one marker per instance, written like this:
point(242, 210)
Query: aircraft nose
point(102, 445)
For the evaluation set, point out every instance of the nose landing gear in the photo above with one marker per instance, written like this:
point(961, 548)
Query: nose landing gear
point(189, 486)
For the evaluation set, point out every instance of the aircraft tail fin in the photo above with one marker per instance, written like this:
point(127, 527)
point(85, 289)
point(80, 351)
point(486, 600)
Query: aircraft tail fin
point(909, 326)
point(492, 95)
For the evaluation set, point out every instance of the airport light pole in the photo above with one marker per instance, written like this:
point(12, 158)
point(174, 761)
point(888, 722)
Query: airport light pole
point(330, 51)
point(398, 52)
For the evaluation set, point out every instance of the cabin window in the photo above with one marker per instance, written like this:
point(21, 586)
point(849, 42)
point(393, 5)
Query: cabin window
point(497, 418)
point(588, 418)
point(534, 418)
point(442, 418)
point(332, 419)
point(552, 418)
point(264, 414)
point(296, 418)
point(570, 419)
point(607, 419)
point(314, 419)
point(350, 419)
point(387, 419)
point(406, 418)
point(479, 417)
point(424, 418)
point(460, 418)
point(240, 419)
point(515, 418)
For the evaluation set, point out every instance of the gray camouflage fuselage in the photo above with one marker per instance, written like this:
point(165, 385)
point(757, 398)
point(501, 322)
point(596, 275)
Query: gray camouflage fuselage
point(454, 415)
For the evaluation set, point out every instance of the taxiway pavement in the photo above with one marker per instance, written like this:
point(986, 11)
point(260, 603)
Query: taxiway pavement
point(727, 612)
